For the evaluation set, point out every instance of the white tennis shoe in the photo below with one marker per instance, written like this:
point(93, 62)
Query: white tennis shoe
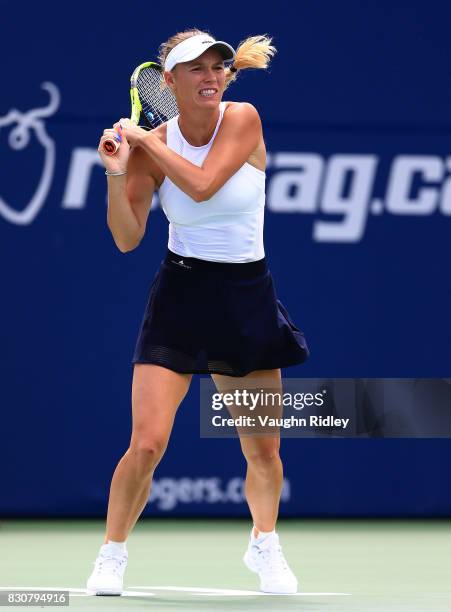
point(266, 559)
point(108, 575)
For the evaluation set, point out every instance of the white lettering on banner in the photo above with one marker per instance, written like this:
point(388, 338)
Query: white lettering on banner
point(80, 170)
point(339, 191)
point(295, 190)
point(327, 195)
point(360, 171)
point(303, 183)
point(81, 167)
point(445, 198)
point(400, 201)
point(167, 493)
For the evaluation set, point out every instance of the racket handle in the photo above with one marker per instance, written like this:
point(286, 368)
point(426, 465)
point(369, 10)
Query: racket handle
point(110, 146)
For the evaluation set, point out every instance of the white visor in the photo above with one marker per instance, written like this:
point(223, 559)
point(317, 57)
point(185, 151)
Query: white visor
point(194, 46)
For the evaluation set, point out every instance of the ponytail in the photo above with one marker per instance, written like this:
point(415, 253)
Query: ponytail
point(254, 52)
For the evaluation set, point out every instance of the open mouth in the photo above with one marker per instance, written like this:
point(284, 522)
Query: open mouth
point(208, 92)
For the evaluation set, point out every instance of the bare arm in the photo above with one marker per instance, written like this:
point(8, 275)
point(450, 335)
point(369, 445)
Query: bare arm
point(129, 201)
point(129, 194)
point(237, 137)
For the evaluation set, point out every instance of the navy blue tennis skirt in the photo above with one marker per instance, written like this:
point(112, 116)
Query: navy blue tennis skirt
point(210, 317)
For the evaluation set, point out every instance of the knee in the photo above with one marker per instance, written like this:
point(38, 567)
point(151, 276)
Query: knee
point(147, 453)
point(263, 459)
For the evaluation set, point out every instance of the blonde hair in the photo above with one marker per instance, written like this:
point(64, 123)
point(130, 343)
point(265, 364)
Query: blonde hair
point(253, 52)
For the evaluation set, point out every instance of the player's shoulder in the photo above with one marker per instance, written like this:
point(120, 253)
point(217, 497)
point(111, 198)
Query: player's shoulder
point(241, 109)
point(242, 115)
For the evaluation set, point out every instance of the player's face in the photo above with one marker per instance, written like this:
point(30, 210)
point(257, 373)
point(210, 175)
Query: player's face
point(200, 82)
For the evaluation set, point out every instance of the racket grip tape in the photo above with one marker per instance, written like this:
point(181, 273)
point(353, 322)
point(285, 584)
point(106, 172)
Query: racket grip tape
point(111, 145)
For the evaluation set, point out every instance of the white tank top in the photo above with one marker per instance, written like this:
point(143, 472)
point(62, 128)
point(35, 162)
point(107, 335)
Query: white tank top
point(229, 226)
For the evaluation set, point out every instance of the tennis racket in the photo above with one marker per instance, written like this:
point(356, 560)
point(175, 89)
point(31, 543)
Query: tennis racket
point(148, 97)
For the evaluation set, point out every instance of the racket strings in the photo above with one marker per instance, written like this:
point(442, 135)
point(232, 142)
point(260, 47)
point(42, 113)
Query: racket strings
point(158, 104)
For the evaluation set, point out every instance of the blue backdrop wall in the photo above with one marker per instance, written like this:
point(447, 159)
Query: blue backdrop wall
point(356, 111)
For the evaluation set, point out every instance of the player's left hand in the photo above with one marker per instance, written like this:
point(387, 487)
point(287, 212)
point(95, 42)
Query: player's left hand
point(130, 131)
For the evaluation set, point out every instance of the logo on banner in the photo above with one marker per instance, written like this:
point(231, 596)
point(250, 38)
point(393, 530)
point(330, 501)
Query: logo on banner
point(25, 124)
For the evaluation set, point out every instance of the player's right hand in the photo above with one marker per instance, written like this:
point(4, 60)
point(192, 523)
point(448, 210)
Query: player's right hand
point(118, 161)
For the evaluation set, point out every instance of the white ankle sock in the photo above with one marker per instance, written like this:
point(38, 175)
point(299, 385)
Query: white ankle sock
point(117, 547)
point(262, 535)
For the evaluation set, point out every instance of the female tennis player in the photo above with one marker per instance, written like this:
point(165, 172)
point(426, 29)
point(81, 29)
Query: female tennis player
point(211, 307)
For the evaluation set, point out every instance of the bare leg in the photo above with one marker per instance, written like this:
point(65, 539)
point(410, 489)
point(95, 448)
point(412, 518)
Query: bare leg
point(264, 480)
point(156, 395)
point(264, 477)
